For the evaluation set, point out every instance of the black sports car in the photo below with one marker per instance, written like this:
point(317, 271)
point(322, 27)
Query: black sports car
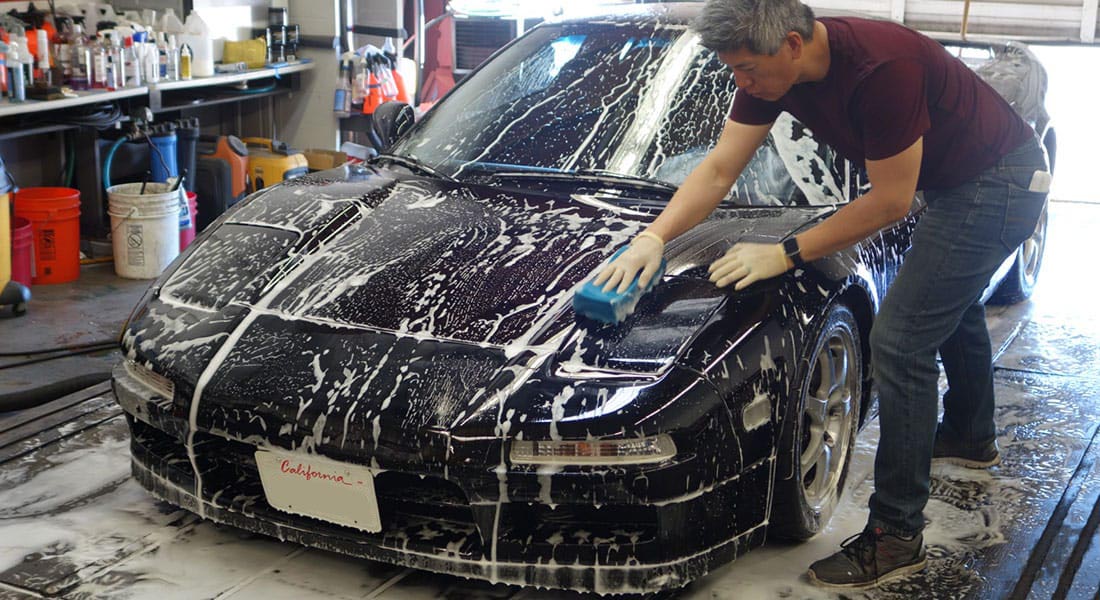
point(383, 360)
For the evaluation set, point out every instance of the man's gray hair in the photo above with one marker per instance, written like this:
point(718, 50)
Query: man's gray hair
point(760, 26)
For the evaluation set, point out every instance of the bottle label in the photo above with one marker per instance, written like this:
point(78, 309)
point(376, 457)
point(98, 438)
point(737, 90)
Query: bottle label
point(338, 100)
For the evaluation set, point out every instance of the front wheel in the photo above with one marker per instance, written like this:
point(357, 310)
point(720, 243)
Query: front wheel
point(816, 445)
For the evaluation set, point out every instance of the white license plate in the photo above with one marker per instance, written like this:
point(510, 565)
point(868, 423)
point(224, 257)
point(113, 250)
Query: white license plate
point(317, 487)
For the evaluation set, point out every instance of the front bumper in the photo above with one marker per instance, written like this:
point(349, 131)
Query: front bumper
point(430, 523)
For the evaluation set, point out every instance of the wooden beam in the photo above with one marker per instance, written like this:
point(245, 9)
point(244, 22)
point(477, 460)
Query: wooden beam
point(1088, 21)
point(966, 17)
point(897, 10)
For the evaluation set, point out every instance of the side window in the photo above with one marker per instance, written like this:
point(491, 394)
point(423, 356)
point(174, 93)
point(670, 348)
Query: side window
point(792, 168)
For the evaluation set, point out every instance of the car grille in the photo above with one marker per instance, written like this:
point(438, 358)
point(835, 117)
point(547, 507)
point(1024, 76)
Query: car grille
point(419, 513)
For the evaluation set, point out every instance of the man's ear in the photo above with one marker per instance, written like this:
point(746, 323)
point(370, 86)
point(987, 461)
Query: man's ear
point(794, 42)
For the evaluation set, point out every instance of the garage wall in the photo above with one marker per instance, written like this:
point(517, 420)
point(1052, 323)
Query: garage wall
point(1055, 20)
point(306, 117)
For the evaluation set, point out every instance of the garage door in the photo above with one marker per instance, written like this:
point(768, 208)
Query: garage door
point(1067, 20)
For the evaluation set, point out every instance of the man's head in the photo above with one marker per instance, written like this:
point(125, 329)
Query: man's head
point(761, 40)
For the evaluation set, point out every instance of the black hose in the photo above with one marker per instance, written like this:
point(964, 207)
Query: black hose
point(43, 394)
point(60, 348)
point(32, 361)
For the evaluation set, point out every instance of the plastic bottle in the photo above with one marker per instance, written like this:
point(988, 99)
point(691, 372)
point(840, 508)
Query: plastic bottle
point(185, 62)
point(390, 51)
point(150, 61)
point(62, 48)
point(173, 58)
point(42, 67)
point(162, 55)
point(3, 68)
point(80, 60)
point(26, 60)
point(115, 70)
point(100, 63)
point(359, 82)
point(131, 65)
point(341, 102)
point(17, 85)
point(170, 23)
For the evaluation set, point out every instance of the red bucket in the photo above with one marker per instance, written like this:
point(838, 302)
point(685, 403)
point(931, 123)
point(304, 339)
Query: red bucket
point(22, 246)
point(54, 213)
point(187, 234)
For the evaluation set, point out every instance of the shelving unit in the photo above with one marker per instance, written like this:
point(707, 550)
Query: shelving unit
point(49, 116)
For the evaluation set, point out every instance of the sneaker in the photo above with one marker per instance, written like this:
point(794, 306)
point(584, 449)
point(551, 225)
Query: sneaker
point(869, 558)
point(950, 451)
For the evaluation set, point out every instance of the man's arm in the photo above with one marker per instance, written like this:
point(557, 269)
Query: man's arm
point(893, 185)
point(711, 180)
point(697, 197)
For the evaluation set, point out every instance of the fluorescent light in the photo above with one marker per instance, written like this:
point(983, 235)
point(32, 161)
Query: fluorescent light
point(593, 452)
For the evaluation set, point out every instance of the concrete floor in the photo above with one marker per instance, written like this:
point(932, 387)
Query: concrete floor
point(74, 525)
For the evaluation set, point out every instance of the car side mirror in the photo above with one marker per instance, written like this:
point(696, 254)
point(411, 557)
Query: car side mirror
point(391, 120)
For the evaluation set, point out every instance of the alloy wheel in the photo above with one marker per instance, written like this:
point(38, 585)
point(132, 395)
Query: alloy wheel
point(827, 423)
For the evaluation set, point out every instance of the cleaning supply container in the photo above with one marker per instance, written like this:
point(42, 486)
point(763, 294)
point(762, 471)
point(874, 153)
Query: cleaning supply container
point(162, 163)
point(5, 232)
point(187, 140)
point(145, 228)
point(187, 232)
point(271, 161)
point(22, 248)
point(54, 213)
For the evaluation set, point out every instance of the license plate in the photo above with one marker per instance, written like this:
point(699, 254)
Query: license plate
point(317, 487)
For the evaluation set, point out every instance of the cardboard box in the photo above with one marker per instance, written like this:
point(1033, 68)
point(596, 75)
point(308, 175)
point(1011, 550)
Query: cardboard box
point(320, 160)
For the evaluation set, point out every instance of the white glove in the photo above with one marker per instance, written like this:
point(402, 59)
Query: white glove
point(644, 254)
point(747, 263)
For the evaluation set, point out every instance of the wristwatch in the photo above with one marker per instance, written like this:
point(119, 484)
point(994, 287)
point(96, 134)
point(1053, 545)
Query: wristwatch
point(790, 248)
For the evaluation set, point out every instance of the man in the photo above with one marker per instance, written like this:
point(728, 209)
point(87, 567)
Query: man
point(917, 119)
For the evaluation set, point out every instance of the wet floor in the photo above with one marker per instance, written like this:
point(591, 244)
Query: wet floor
point(73, 523)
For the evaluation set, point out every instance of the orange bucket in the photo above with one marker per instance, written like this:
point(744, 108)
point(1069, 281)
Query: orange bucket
point(54, 213)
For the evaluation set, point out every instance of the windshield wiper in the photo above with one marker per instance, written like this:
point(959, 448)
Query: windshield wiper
point(591, 175)
point(414, 164)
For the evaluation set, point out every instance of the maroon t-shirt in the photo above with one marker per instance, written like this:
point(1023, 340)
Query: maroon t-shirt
point(888, 85)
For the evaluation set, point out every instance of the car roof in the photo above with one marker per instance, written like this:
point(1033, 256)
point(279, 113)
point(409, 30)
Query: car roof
point(682, 13)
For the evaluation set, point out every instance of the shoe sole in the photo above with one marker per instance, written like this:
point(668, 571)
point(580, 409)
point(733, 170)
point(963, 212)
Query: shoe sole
point(968, 463)
point(897, 573)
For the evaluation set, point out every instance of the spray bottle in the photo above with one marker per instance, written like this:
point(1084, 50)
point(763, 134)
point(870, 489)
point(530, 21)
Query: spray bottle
point(185, 62)
point(17, 84)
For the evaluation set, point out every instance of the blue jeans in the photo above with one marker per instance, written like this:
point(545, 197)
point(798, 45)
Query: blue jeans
point(934, 305)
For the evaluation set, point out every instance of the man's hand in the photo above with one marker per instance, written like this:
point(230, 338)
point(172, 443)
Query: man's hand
point(644, 254)
point(747, 263)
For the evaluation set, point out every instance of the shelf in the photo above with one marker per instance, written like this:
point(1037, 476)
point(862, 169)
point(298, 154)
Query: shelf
point(228, 78)
point(211, 101)
point(7, 134)
point(8, 109)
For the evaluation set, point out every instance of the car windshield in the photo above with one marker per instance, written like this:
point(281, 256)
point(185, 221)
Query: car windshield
point(641, 100)
point(613, 100)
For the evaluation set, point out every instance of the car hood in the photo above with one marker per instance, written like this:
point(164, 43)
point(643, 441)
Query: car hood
point(372, 308)
point(430, 258)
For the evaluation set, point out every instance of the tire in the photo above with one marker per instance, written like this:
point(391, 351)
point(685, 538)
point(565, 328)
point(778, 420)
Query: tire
point(1019, 283)
point(816, 446)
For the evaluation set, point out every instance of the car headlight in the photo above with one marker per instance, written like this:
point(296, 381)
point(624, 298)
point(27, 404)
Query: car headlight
point(159, 384)
point(593, 452)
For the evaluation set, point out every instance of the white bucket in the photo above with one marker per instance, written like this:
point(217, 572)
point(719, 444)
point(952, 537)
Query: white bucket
point(145, 228)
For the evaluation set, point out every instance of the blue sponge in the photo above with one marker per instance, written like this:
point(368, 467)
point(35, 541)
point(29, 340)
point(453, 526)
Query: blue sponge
point(612, 307)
